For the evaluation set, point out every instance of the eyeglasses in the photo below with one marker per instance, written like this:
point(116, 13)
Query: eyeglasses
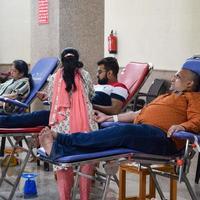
point(177, 76)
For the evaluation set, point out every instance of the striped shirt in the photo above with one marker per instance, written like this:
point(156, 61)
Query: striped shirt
point(20, 89)
point(105, 93)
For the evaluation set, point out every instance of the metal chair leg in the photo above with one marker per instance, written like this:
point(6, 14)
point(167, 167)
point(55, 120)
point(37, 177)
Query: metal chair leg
point(197, 176)
point(189, 187)
point(3, 143)
point(75, 186)
point(106, 187)
point(46, 166)
point(157, 185)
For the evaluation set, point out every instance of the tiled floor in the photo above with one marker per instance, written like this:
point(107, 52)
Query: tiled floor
point(47, 190)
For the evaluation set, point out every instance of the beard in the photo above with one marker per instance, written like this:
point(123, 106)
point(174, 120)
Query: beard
point(103, 81)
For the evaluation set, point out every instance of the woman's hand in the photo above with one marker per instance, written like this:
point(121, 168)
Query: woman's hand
point(173, 129)
point(100, 117)
point(42, 96)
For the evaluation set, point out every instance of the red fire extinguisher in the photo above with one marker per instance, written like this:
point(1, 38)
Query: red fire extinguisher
point(112, 43)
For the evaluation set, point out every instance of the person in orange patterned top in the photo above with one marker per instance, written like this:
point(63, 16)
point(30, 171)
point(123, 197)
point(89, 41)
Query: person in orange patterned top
point(152, 126)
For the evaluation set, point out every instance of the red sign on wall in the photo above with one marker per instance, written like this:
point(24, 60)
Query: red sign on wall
point(43, 14)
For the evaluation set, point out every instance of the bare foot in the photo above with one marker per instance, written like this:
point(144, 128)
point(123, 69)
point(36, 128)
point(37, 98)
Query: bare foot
point(46, 139)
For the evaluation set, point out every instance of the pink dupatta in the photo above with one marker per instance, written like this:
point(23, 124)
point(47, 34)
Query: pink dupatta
point(76, 102)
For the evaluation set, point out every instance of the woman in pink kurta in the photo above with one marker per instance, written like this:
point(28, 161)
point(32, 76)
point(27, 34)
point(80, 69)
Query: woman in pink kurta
point(71, 111)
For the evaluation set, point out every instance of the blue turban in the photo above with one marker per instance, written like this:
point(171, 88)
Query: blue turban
point(192, 64)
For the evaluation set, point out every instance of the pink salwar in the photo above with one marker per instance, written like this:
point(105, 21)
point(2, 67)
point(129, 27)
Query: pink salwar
point(65, 181)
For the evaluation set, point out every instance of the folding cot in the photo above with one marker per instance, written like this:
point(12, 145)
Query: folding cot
point(113, 158)
point(40, 72)
point(197, 176)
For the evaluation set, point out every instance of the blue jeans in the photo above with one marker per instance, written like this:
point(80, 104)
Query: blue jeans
point(23, 120)
point(140, 137)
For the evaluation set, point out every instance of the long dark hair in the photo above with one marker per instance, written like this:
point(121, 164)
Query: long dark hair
point(70, 62)
point(22, 67)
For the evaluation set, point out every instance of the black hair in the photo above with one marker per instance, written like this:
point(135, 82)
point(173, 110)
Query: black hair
point(110, 63)
point(70, 62)
point(22, 67)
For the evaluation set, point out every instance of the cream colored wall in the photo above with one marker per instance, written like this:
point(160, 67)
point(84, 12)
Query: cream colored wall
point(14, 30)
point(158, 31)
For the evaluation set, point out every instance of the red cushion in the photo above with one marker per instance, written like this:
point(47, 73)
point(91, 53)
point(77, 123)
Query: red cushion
point(36, 129)
point(133, 76)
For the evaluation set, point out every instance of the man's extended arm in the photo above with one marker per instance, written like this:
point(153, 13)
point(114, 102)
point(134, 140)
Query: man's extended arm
point(123, 117)
point(115, 108)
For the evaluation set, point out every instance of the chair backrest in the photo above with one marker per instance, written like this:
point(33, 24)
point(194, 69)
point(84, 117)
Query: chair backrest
point(158, 87)
point(40, 72)
point(134, 76)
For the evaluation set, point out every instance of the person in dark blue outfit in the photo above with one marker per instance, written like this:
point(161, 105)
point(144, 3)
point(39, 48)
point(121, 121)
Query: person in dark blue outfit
point(152, 126)
point(36, 118)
